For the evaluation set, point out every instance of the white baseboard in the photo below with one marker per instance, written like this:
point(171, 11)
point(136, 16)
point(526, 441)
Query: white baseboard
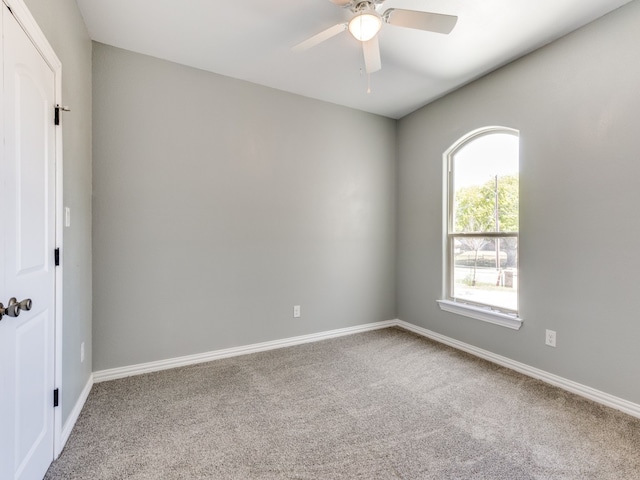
point(73, 417)
point(569, 385)
point(121, 372)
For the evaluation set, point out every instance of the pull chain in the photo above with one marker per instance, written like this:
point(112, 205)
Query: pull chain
point(368, 81)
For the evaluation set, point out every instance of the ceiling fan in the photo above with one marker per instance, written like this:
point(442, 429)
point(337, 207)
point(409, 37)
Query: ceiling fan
point(367, 22)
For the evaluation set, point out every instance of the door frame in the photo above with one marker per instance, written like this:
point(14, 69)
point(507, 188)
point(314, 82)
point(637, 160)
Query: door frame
point(37, 37)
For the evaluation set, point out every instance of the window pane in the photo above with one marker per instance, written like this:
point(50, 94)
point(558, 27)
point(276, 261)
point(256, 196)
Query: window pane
point(485, 270)
point(485, 185)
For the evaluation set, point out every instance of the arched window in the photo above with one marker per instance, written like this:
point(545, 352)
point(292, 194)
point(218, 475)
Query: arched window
point(482, 198)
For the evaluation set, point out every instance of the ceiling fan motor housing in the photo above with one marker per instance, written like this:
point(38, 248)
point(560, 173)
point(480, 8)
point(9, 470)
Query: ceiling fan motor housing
point(364, 5)
point(358, 5)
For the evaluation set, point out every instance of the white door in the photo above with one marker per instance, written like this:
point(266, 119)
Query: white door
point(27, 236)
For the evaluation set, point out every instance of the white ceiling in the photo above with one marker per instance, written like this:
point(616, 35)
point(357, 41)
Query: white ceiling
point(252, 39)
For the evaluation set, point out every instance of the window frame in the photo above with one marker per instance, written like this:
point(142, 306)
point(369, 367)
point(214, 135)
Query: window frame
point(480, 311)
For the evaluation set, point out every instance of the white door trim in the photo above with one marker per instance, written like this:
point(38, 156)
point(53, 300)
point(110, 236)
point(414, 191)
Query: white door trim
point(33, 31)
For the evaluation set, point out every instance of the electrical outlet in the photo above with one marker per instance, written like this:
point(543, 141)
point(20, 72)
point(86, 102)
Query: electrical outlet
point(67, 217)
point(296, 311)
point(82, 352)
point(550, 338)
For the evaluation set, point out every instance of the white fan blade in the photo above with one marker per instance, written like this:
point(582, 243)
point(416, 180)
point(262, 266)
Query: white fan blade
point(371, 51)
point(430, 22)
point(320, 37)
point(341, 3)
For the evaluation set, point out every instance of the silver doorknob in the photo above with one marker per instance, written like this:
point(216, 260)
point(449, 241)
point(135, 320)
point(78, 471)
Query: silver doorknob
point(12, 310)
point(25, 304)
point(14, 307)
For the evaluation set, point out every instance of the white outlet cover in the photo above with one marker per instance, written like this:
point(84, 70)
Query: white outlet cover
point(550, 338)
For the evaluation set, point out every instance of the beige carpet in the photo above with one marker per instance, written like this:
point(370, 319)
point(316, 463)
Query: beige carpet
point(379, 405)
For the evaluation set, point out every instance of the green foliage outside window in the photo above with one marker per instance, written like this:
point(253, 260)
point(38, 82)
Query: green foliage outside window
point(476, 206)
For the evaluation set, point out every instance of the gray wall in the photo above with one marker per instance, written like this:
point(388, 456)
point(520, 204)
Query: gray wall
point(576, 103)
point(219, 204)
point(63, 26)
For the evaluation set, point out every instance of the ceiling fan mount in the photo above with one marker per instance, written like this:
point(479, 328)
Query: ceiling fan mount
point(367, 22)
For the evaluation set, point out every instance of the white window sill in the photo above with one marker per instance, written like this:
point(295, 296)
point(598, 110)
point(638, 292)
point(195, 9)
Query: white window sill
point(480, 313)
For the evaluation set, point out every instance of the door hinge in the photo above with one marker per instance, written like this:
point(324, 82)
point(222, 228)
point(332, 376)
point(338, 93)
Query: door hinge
point(56, 116)
point(56, 256)
point(56, 398)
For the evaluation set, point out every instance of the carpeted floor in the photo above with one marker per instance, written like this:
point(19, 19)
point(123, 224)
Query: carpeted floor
point(385, 404)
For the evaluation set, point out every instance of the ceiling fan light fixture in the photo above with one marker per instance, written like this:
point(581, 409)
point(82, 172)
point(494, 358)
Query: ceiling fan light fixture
point(365, 25)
